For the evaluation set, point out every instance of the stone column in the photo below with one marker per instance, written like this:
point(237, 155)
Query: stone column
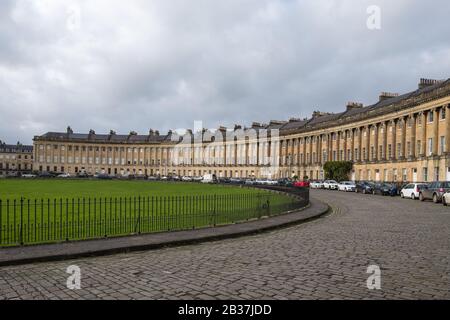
point(413, 136)
point(360, 144)
point(447, 129)
point(405, 123)
point(352, 151)
point(437, 113)
point(367, 143)
point(394, 139)
point(319, 151)
point(377, 128)
point(423, 148)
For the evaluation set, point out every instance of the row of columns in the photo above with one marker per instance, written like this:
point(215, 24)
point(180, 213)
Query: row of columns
point(364, 151)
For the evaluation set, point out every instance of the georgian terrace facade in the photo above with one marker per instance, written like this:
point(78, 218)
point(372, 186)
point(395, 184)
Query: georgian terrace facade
point(15, 159)
point(400, 138)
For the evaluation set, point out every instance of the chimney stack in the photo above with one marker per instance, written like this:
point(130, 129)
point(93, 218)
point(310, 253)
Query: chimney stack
point(354, 105)
point(387, 95)
point(428, 82)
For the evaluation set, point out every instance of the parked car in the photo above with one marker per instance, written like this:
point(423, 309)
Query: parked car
point(209, 178)
point(64, 175)
point(385, 189)
point(302, 184)
point(29, 176)
point(46, 175)
point(412, 190)
point(364, 187)
point(103, 176)
point(285, 182)
point(435, 191)
point(446, 199)
point(347, 186)
point(316, 185)
point(331, 185)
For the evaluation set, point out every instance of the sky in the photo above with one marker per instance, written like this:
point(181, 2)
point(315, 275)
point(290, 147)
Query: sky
point(163, 64)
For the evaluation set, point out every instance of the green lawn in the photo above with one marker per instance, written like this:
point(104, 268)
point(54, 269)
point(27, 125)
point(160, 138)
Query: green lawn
point(40, 211)
point(38, 189)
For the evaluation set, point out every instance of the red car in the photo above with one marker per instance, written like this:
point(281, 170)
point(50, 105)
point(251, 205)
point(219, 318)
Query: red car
point(301, 184)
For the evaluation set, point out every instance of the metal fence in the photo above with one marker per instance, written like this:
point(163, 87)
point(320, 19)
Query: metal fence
point(26, 221)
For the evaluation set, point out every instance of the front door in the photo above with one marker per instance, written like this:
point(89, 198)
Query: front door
point(414, 175)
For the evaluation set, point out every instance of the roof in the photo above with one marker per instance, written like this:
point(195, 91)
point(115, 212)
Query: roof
point(15, 148)
point(428, 90)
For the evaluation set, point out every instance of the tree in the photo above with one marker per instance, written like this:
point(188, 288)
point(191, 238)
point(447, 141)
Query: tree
point(338, 170)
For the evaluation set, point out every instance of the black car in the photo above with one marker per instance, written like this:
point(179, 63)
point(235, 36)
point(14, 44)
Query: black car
point(364, 187)
point(284, 182)
point(46, 175)
point(385, 189)
point(104, 176)
point(82, 175)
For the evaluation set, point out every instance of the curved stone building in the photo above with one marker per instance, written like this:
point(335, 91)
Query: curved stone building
point(399, 138)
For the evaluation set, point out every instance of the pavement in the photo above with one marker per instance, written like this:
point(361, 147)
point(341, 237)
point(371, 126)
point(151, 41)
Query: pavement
point(326, 258)
point(76, 249)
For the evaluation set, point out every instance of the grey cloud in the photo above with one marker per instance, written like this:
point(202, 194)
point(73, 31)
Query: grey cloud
point(163, 64)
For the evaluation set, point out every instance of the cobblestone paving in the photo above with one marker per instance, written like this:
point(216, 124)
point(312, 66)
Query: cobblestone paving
point(323, 259)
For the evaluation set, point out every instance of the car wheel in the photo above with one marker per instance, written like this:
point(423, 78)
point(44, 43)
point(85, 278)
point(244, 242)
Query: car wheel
point(444, 202)
point(413, 196)
point(421, 197)
point(435, 198)
point(402, 195)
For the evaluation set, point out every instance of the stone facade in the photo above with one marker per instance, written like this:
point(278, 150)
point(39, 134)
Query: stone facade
point(15, 159)
point(400, 138)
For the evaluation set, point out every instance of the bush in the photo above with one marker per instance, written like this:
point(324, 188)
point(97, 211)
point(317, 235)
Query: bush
point(338, 170)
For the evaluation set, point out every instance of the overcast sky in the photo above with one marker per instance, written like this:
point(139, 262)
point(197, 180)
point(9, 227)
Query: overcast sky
point(136, 65)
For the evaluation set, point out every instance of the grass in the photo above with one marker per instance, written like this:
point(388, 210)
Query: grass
point(41, 211)
point(38, 189)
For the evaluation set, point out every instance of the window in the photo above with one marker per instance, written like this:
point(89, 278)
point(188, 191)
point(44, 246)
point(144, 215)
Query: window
point(419, 145)
point(399, 150)
point(431, 116)
point(436, 174)
point(404, 175)
point(389, 151)
point(425, 174)
point(442, 145)
point(430, 146)
point(408, 146)
point(443, 110)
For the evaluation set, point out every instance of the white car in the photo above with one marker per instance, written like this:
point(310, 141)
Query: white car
point(347, 186)
point(186, 179)
point(64, 175)
point(316, 184)
point(331, 185)
point(28, 176)
point(446, 199)
point(412, 190)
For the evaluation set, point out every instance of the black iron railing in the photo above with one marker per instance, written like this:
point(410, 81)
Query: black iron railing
point(31, 221)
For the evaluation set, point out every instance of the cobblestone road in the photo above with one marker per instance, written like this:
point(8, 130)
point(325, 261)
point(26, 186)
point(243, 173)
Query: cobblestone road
point(323, 259)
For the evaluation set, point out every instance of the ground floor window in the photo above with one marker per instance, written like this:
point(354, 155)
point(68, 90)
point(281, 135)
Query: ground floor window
point(436, 174)
point(425, 174)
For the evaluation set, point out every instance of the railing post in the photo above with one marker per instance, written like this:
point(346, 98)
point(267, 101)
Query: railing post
point(21, 221)
point(139, 215)
point(215, 210)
